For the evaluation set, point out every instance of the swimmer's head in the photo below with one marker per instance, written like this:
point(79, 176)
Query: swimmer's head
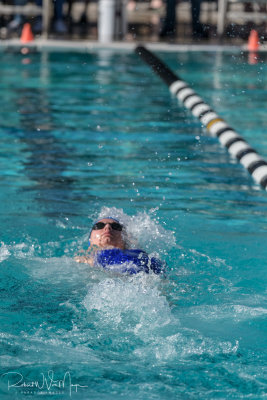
point(106, 232)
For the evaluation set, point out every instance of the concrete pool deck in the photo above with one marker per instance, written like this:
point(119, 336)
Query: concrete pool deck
point(88, 46)
point(40, 44)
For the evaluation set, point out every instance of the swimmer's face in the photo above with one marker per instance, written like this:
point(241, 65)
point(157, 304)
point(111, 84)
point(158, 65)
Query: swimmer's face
point(107, 237)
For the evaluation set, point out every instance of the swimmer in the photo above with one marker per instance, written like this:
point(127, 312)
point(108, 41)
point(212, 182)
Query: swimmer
point(109, 249)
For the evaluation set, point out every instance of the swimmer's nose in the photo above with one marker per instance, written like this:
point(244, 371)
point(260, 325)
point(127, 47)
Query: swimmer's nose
point(108, 227)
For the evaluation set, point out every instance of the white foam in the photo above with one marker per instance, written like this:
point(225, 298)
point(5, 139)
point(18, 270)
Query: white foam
point(236, 312)
point(135, 301)
point(183, 345)
point(20, 250)
point(4, 252)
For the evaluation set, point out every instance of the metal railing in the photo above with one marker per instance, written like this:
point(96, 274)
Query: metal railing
point(225, 14)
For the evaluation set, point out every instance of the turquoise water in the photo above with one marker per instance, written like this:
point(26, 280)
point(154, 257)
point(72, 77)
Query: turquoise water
point(83, 134)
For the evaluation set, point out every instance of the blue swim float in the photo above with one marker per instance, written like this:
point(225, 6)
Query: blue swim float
point(128, 261)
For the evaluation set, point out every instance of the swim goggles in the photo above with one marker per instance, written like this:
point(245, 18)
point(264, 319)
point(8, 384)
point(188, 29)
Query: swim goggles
point(101, 225)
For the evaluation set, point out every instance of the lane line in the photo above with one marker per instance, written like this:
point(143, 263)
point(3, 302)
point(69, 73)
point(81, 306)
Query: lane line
point(216, 126)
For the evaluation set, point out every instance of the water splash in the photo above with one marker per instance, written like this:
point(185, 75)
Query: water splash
point(134, 313)
point(143, 230)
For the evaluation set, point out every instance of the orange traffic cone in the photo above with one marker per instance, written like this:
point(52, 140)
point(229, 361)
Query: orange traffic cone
point(253, 41)
point(26, 34)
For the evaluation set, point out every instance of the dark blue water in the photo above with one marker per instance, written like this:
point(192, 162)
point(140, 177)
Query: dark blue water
point(83, 134)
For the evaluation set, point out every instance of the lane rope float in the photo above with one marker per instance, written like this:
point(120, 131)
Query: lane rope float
point(216, 126)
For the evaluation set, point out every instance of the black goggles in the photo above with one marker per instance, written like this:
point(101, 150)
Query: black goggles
point(101, 225)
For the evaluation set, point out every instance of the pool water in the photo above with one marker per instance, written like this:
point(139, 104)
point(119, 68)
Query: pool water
point(84, 135)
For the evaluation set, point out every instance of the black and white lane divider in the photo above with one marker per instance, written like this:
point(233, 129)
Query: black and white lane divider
point(216, 126)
